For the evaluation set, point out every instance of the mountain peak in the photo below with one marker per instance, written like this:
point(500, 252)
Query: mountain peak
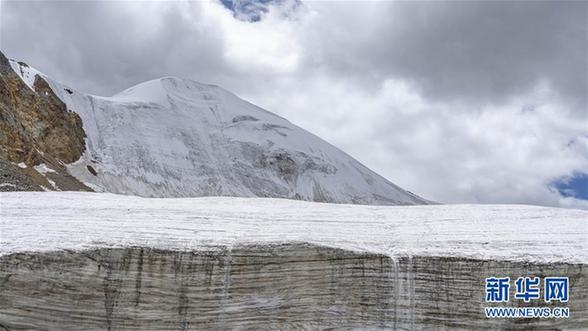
point(159, 89)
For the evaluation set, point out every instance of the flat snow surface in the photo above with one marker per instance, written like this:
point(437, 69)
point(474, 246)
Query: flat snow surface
point(47, 221)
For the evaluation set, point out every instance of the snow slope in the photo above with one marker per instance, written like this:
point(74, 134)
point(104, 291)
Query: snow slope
point(172, 137)
point(48, 221)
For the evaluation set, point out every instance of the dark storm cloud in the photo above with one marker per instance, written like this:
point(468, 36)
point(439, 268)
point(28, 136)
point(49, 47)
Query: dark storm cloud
point(480, 51)
point(104, 47)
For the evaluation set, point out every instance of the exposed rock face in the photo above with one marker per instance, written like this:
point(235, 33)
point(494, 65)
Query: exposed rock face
point(35, 128)
point(35, 121)
point(270, 287)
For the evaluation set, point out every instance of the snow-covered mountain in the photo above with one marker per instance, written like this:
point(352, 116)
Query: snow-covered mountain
point(172, 137)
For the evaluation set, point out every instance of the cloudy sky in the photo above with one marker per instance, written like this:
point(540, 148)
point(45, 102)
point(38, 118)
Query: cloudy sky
point(478, 101)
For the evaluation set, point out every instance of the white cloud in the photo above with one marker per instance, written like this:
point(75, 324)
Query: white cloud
point(269, 45)
point(446, 152)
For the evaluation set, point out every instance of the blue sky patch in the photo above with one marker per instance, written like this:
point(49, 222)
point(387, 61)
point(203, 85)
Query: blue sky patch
point(251, 10)
point(575, 186)
point(247, 10)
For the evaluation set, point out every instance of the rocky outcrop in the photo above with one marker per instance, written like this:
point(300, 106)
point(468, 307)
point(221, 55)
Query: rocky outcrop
point(35, 121)
point(35, 128)
point(267, 287)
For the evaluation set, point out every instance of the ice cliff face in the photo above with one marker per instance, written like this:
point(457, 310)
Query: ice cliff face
point(172, 137)
point(265, 287)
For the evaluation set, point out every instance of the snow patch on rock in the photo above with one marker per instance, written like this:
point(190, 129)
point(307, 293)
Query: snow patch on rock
point(43, 168)
point(26, 73)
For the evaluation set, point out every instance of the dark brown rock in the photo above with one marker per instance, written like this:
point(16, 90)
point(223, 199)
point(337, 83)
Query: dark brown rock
point(36, 127)
point(35, 121)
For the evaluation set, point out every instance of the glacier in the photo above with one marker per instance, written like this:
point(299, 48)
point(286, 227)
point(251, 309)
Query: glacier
point(99, 261)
